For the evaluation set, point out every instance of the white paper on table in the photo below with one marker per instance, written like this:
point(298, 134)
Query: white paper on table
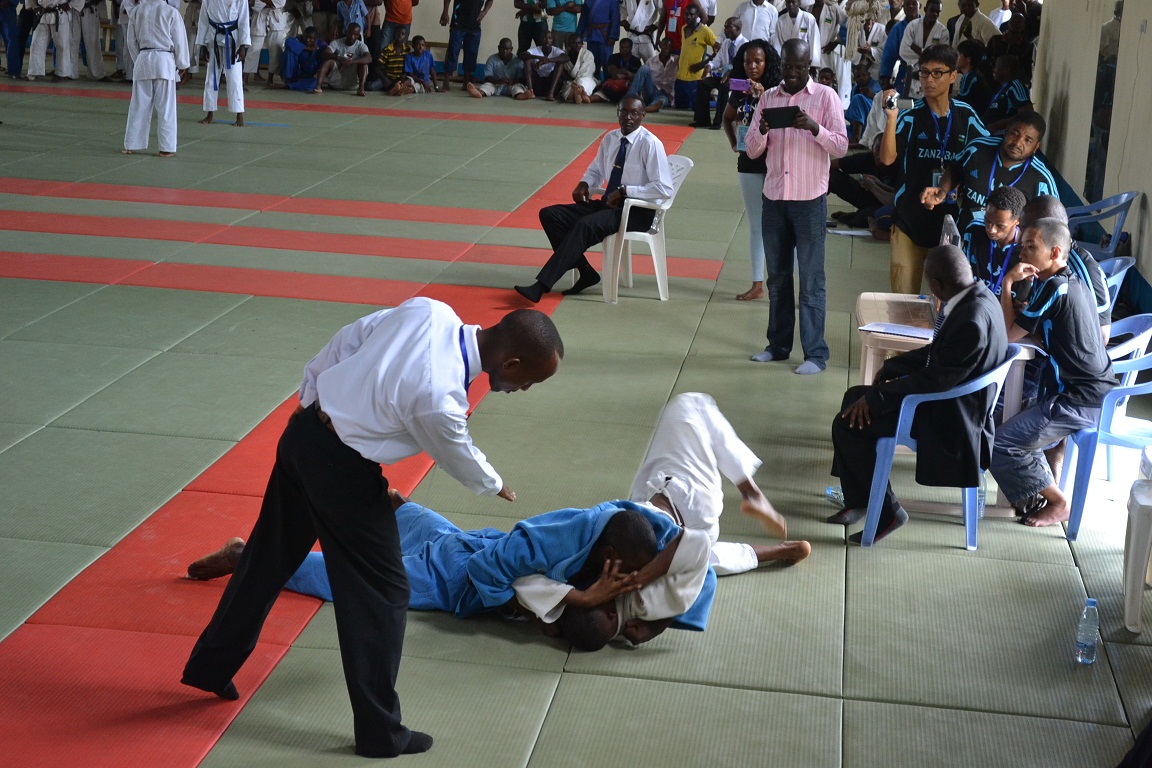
point(851, 232)
point(895, 329)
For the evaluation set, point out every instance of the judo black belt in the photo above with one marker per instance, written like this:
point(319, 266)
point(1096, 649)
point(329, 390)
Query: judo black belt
point(223, 30)
point(91, 6)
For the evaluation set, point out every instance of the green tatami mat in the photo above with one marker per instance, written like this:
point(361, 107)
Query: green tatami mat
point(957, 645)
point(1131, 664)
point(472, 193)
point(284, 329)
point(310, 263)
point(218, 397)
point(128, 210)
point(591, 325)
point(10, 434)
point(775, 629)
point(478, 715)
point(32, 571)
point(126, 316)
point(91, 247)
point(372, 227)
point(592, 386)
point(438, 636)
point(52, 378)
point(878, 735)
point(602, 721)
point(26, 301)
point(551, 465)
point(64, 485)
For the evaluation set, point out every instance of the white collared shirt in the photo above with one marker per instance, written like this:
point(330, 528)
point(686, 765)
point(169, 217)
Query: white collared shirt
point(757, 22)
point(646, 173)
point(393, 384)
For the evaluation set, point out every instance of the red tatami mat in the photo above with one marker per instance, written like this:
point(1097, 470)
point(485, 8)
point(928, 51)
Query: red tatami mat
point(77, 696)
point(74, 269)
point(138, 585)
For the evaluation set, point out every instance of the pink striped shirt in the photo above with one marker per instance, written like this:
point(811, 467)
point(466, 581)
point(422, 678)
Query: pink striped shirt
point(797, 161)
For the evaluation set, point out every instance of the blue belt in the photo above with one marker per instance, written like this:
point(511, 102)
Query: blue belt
point(225, 30)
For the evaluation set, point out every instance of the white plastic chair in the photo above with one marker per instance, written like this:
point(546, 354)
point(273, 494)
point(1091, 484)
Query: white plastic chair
point(618, 247)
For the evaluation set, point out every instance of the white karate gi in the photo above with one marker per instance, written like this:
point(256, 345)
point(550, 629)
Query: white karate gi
point(158, 44)
point(914, 35)
point(55, 25)
point(831, 17)
point(223, 44)
point(269, 30)
point(86, 27)
point(123, 58)
point(582, 71)
point(639, 15)
point(805, 28)
point(874, 40)
point(192, 24)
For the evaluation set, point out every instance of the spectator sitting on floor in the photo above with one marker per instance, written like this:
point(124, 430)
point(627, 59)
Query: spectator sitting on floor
point(718, 69)
point(872, 195)
point(696, 42)
point(392, 65)
point(542, 68)
point(420, 68)
point(503, 76)
point(578, 74)
point(825, 76)
point(655, 82)
point(302, 60)
point(618, 74)
point(864, 90)
point(345, 61)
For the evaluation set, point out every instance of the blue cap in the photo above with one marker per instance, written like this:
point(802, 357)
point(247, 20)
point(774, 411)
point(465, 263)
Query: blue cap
point(1091, 602)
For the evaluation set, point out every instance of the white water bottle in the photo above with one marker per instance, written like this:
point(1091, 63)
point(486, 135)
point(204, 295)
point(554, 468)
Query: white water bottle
point(1086, 633)
point(949, 234)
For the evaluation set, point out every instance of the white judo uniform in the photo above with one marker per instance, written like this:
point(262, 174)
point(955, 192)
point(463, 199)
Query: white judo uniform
point(158, 44)
point(693, 448)
point(223, 29)
point(86, 27)
point(123, 58)
point(192, 24)
point(55, 25)
point(269, 30)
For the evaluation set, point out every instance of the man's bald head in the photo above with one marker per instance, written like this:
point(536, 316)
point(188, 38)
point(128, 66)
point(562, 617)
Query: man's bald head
point(1042, 207)
point(796, 50)
point(947, 270)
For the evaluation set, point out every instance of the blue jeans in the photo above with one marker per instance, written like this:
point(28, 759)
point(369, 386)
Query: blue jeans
point(752, 190)
point(470, 42)
point(1018, 462)
point(794, 232)
point(644, 87)
point(10, 32)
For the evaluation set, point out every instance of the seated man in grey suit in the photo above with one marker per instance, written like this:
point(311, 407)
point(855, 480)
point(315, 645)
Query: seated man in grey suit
point(954, 436)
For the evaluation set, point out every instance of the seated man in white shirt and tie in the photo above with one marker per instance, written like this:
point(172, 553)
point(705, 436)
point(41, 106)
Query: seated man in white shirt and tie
point(629, 163)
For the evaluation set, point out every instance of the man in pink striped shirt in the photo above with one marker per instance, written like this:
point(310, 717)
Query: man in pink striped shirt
point(796, 203)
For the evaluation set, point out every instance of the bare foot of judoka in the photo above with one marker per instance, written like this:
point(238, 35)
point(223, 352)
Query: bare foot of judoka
point(1056, 511)
point(753, 293)
point(165, 154)
point(317, 89)
point(209, 119)
point(754, 504)
point(785, 553)
point(361, 92)
point(127, 152)
point(220, 563)
point(239, 120)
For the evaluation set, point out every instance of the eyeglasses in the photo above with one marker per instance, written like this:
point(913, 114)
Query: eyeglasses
point(935, 74)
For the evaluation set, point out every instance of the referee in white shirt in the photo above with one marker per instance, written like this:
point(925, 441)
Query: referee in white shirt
point(630, 162)
point(388, 386)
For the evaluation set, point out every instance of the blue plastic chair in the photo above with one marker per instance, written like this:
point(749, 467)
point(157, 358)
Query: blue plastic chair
point(1139, 327)
point(1114, 271)
point(1115, 428)
point(1116, 206)
point(886, 448)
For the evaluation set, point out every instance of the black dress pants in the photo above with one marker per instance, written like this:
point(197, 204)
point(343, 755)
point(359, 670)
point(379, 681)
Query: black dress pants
point(573, 228)
point(321, 488)
point(703, 112)
point(854, 454)
point(841, 183)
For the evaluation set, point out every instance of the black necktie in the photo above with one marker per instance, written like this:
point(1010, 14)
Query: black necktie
point(617, 168)
point(935, 332)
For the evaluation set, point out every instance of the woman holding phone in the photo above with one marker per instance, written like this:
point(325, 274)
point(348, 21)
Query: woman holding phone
point(755, 68)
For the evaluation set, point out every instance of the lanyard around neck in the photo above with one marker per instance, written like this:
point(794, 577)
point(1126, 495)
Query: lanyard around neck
point(947, 131)
point(996, 165)
point(1003, 264)
point(464, 356)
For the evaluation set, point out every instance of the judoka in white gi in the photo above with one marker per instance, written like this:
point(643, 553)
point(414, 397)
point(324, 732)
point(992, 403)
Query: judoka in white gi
point(86, 28)
point(123, 59)
point(192, 24)
point(55, 25)
point(158, 45)
point(223, 37)
point(270, 25)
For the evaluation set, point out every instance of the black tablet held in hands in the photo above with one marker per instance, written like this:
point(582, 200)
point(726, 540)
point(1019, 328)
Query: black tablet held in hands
point(780, 117)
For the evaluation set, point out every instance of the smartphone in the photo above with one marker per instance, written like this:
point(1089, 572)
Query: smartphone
point(738, 85)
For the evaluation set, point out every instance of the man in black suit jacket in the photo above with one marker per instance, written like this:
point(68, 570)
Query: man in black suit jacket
point(954, 437)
